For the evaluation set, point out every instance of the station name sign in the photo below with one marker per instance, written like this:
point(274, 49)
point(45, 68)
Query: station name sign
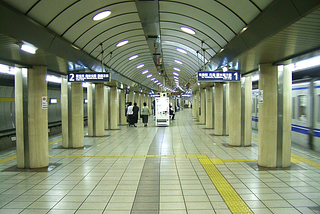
point(89, 77)
point(211, 76)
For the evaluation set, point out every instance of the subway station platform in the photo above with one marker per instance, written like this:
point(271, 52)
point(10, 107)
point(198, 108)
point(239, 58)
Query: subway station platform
point(180, 169)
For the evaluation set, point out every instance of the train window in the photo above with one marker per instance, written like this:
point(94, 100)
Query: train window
point(318, 109)
point(293, 108)
point(302, 105)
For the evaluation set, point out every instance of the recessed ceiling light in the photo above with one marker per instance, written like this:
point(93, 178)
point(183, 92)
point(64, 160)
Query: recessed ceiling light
point(178, 61)
point(101, 15)
point(122, 43)
point(181, 50)
point(140, 66)
point(149, 75)
point(133, 57)
point(175, 68)
point(188, 30)
point(145, 71)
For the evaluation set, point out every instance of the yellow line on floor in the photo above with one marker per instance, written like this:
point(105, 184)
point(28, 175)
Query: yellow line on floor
point(8, 159)
point(229, 195)
point(254, 138)
point(56, 141)
point(305, 160)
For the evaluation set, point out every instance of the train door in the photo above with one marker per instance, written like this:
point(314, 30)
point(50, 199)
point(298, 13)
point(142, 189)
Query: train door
point(316, 136)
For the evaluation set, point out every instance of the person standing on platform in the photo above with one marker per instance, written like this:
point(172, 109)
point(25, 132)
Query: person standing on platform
point(135, 114)
point(130, 114)
point(145, 113)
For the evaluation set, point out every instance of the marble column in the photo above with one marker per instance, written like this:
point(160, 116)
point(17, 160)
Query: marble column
point(274, 116)
point(31, 117)
point(114, 108)
point(209, 108)
point(234, 114)
point(218, 109)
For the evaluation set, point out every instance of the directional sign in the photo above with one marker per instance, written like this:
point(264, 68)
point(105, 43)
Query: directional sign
point(211, 76)
point(89, 77)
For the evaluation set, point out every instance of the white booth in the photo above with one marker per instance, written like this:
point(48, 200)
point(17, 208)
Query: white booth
point(162, 110)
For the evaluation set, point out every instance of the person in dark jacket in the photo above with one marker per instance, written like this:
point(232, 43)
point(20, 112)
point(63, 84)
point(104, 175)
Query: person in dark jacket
point(135, 114)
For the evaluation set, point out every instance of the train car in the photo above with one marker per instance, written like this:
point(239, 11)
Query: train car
point(305, 128)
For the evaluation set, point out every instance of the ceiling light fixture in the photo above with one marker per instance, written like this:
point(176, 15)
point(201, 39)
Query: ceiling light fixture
point(175, 73)
point(149, 75)
point(133, 57)
point(122, 43)
point(140, 66)
point(153, 78)
point(188, 30)
point(177, 69)
point(101, 15)
point(27, 47)
point(181, 50)
point(145, 71)
point(178, 61)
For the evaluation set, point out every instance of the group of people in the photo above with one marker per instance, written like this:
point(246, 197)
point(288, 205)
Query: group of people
point(133, 112)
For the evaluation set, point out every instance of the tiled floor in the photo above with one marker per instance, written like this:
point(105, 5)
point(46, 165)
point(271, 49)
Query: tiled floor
point(180, 169)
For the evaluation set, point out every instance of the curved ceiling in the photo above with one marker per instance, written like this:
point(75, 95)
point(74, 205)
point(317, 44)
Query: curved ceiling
point(153, 31)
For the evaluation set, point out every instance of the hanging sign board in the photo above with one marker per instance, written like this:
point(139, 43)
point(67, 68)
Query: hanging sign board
point(89, 77)
point(210, 76)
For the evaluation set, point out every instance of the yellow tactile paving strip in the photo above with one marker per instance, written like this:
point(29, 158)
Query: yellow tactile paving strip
point(305, 160)
point(229, 195)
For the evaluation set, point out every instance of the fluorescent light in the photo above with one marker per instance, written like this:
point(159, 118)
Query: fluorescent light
point(188, 30)
point(28, 48)
point(133, 57)
point(51, 78)
point(149, 75)
point(175, 77)
point(304, 64)
point(178, 61)
point(156, 81)
point(175, 73)
point(122, 43)
point(153, 78)
point(101, 15)
point(145, 71)
point(52, 101)
point(181, 50)
point(225, 69)
point(175, 68)
point(8, 70)
point(140, 66)
point(84, 85)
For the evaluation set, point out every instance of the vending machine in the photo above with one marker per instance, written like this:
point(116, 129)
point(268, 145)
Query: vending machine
point(162, 111)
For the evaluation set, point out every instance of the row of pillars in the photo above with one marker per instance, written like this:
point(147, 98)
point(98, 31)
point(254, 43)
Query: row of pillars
point(106, 110)
point(227, 108)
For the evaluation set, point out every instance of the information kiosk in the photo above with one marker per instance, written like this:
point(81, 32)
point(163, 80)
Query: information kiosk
point(162, 110)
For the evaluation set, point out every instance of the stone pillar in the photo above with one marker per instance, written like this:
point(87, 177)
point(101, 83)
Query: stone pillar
point(114, 108)
point(76, 124)
point(218, 109)
point(193, 104)
point(106, 107)
point(196, 105)
point(90, 104)
point(246, 108)
point(203, 106)
point(274, 116)
point(234, 114)
point(209, 108)
point(225, 108)
point(99, 111)
point(131, 97)
point(123, 118)
point(31, 117)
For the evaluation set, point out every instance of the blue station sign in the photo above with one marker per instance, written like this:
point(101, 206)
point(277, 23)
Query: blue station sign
point(211, 76)
point(89, 77)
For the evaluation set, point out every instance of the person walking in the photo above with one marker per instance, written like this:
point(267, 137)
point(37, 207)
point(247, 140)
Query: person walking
point(130, 114)
point(145, 113)
point(135, 114)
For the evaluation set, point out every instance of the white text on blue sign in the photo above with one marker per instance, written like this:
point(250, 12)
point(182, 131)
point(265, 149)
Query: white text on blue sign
point(218, 76)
